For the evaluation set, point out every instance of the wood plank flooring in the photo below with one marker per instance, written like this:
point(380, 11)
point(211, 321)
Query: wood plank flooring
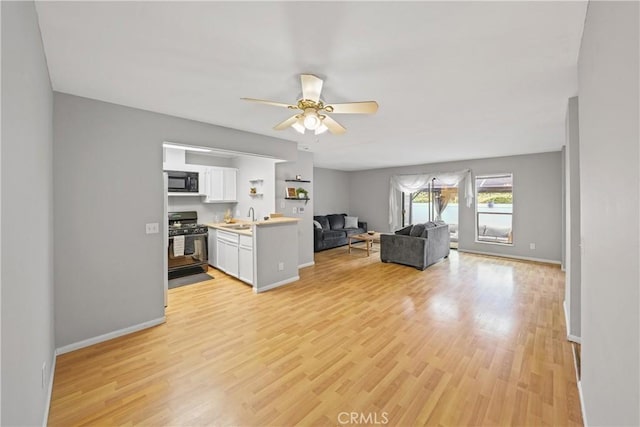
point(472, 340)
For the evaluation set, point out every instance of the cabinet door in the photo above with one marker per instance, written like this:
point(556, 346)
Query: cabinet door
point(221, 255)
point(213, 247)
point(216, 185)
point(231, 259)
point(245, 259)
point(229, 179)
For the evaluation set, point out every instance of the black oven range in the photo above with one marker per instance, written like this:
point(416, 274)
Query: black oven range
point(188, 251)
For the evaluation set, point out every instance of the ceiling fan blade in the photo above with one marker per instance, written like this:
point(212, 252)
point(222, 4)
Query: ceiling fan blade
point(311, 87)
point(262, 101)
point(366, 107)
point(333, 126)
point(285, 124)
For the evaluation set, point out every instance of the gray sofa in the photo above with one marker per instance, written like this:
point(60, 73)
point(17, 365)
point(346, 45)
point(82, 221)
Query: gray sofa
point(418, 245)
point(332, 232)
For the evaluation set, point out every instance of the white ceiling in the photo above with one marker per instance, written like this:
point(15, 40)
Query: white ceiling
point(454, 80)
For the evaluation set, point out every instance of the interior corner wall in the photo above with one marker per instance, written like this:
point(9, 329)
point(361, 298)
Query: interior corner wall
point(572, 216)
point(108, 184)
point(27, 218)
point(537, 202)
point(331, 191)
point(608, 86)
point(288, 170)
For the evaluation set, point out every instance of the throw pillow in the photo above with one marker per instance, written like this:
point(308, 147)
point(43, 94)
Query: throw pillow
point(417, 230)
point(317, 224)
point(405, 231)
point(350, 222)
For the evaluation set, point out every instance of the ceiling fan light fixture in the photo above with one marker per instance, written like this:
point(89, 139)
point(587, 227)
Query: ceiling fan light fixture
point(321, 129)
point(299, 126)
point(311, 120)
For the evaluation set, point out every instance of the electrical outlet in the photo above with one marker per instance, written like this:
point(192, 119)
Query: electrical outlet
point(294, 210)
point(532, 246)
point(300, 210)
point(152, 228)
point(280, 266)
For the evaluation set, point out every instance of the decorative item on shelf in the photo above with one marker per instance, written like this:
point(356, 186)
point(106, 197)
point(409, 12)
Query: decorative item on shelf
point(253, 191)
point(298, 177)
point(291, 193)
point(302, 193)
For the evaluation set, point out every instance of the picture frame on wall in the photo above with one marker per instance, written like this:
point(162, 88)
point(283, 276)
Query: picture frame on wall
point(291, 192)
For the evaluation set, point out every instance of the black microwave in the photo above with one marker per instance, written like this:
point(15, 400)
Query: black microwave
point(182, 182)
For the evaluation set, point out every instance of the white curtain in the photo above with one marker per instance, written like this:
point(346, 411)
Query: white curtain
point(416, 182)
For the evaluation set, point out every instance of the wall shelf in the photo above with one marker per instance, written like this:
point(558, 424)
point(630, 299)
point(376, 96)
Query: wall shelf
point(297, 198)
point(256, 184)
point(296, 180)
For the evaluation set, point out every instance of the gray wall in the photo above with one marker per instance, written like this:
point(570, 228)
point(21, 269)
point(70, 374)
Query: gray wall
point(537, 202)
point(609, 199)
point(572, 215)
point(27, 218)
point(331, 191)
point(108, 184)
point(302, 166)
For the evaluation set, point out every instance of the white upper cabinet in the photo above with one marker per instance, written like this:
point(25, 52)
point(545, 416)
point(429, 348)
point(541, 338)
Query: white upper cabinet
point(229, 179)
point(220, 185)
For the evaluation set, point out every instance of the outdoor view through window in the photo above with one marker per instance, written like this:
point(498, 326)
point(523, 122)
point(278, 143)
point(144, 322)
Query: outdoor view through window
point(494, 209)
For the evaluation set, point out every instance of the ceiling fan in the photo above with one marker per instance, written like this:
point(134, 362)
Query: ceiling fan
point(312, 116)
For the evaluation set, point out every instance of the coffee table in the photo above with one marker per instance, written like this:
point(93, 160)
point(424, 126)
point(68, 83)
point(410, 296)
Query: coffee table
point(368, 239)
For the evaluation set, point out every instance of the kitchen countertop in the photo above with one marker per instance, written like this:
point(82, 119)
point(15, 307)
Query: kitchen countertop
point(270, 221)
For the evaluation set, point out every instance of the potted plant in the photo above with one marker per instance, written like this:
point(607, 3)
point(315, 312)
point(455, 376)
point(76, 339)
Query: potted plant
point(302, 193)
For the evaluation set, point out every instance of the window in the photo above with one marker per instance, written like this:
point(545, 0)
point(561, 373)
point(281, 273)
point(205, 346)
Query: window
point(417, 206)
point(494, 209)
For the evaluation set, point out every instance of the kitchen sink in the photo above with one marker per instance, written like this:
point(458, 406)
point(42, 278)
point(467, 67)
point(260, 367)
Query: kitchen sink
point(238, 226)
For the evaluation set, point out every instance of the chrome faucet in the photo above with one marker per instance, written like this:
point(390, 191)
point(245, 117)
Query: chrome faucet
point(252, 214)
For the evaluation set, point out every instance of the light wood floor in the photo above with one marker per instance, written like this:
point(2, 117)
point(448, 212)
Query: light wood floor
point(472, 340)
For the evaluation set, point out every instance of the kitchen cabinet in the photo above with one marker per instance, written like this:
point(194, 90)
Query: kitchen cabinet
point(245, 259)
point(227, 252)
point(213, 249)
point(220, 185)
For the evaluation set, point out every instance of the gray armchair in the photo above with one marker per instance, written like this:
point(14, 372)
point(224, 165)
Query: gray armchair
point(418, 246)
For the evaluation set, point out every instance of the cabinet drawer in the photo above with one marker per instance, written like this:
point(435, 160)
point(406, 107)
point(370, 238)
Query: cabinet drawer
point(246, 241)
point(227, 236)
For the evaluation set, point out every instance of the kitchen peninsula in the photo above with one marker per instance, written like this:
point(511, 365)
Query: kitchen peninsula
point(262, 253)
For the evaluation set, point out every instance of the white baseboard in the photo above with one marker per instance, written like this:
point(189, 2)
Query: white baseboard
point(307, 264)
point(111, 335)
point(276, 284)
point(573, 338)
point(524, 258)
point(584, 413)
point(52, 369)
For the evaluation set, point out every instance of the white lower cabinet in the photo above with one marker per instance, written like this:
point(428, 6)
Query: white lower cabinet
point(234, 255)
point(245, 257)
point(212, 248)
point(227, 252)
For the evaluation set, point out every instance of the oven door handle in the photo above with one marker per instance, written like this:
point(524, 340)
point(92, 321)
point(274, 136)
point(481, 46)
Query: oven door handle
point(190, 235)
